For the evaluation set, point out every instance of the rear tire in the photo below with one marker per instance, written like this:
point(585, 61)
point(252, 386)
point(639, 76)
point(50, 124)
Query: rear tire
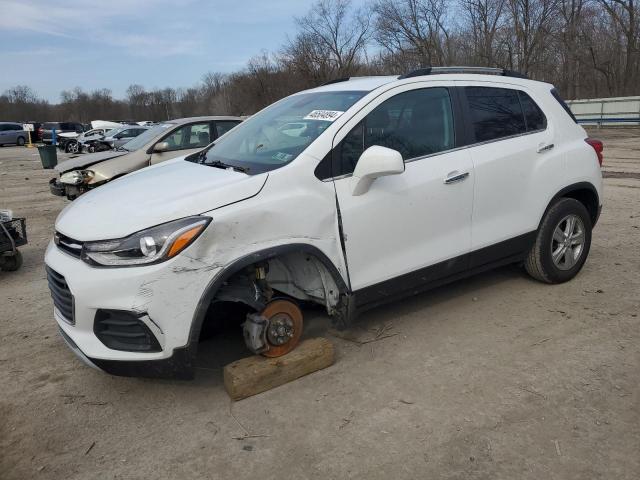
point(20, 141)
point(562, 243)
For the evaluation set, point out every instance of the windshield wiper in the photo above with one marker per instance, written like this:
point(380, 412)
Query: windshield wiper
point(121, 149)
point(219, 164)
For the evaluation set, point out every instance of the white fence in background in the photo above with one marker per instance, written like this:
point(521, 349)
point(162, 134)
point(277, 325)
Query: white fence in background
point(607, 111)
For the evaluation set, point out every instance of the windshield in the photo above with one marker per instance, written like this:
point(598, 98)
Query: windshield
point(146, 136)
point(279, 134)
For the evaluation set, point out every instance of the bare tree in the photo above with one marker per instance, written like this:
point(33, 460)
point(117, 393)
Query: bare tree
point(625, 20)
point(418, 30)
point(587, 48)
point(331, 42)
point(484, 19)
point(531, 27)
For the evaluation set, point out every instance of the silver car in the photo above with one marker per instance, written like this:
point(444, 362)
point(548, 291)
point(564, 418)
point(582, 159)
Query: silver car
point(118, 137)
point(159, 143)
point(12, 134)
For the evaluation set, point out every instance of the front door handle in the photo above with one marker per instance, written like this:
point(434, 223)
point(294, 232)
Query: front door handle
point(455, 177)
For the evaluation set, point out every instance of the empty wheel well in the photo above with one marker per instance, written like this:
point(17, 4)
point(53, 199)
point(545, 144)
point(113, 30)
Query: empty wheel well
point(299, 271)
point(299, 275)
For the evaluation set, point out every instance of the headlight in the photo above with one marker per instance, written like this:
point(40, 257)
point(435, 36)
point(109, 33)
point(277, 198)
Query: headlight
point(76, 177)
point(153, 245)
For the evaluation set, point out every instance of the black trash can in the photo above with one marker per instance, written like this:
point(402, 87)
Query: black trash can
point(48, 156)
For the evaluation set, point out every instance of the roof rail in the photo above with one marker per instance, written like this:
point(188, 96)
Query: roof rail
point(473, 70)
point(336, 80)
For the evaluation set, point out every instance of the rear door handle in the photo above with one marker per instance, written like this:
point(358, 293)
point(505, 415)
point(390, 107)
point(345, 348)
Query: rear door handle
point(545, 147)
point(455, 177)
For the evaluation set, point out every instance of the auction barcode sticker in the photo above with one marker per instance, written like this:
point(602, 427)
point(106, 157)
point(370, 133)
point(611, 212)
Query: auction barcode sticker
point(326, 115)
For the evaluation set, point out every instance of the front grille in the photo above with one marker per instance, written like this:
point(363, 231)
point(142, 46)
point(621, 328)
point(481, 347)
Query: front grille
point(68, 245)
point(61, 295)
point(122, 330)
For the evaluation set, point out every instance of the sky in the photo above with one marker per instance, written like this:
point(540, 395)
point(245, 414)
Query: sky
point(57, 45)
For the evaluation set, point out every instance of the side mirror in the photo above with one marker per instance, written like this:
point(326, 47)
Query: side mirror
point(375, 162)
point(161, 147)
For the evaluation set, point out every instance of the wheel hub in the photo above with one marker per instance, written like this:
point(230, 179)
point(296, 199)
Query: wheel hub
point(284, 328)
point(568, 242)
point(280, 329)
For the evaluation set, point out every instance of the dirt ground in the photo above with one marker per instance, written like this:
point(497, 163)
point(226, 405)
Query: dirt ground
point(494, 377)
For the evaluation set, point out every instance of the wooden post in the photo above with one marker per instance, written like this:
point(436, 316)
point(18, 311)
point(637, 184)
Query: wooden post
point(249, 376)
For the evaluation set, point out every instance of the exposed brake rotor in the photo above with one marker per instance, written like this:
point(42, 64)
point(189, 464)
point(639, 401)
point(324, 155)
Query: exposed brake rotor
point(284, 329)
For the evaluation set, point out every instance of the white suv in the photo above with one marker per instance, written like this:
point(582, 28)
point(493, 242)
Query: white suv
point(386, 186)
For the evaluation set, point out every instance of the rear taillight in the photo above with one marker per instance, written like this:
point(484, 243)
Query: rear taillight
point(597, 146)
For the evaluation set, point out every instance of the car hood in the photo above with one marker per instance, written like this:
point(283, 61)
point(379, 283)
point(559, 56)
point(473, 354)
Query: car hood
point(83, 161)
point(153, 196)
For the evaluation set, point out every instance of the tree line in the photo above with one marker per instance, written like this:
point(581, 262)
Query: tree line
point(586, 48)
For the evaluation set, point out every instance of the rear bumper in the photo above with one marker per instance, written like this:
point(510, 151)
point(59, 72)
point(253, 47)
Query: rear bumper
point(595, 221)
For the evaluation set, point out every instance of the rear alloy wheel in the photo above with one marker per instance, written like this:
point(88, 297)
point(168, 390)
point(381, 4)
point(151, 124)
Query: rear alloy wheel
point(285, 327)
point(20, 141)
point(562, 243)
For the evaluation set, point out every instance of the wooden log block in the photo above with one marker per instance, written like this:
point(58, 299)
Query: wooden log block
point(249, 376)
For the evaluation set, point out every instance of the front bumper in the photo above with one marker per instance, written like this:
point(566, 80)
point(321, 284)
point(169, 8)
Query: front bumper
point(162, 298)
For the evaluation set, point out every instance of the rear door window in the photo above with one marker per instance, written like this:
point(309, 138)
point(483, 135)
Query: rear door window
point(495, 113)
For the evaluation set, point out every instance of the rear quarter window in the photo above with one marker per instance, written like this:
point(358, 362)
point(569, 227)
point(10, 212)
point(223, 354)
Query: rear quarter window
point(562, 103)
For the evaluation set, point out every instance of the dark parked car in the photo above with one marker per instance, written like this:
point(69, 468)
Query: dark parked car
point(60, 127)
point(12, 134)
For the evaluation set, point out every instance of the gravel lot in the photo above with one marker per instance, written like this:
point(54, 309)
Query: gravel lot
point(497, 376)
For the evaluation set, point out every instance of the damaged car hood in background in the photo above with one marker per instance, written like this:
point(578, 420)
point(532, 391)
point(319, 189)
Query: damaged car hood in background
point(83, 161)
point(153, 196)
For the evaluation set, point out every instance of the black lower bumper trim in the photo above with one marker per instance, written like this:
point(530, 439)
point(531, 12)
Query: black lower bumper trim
point(178, 366)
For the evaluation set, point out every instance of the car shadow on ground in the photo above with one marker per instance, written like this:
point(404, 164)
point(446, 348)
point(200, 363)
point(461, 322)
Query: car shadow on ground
point(226, 345)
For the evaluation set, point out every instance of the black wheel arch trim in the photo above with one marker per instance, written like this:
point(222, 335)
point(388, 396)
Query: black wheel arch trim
point(574, 187)
point(242, 262)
